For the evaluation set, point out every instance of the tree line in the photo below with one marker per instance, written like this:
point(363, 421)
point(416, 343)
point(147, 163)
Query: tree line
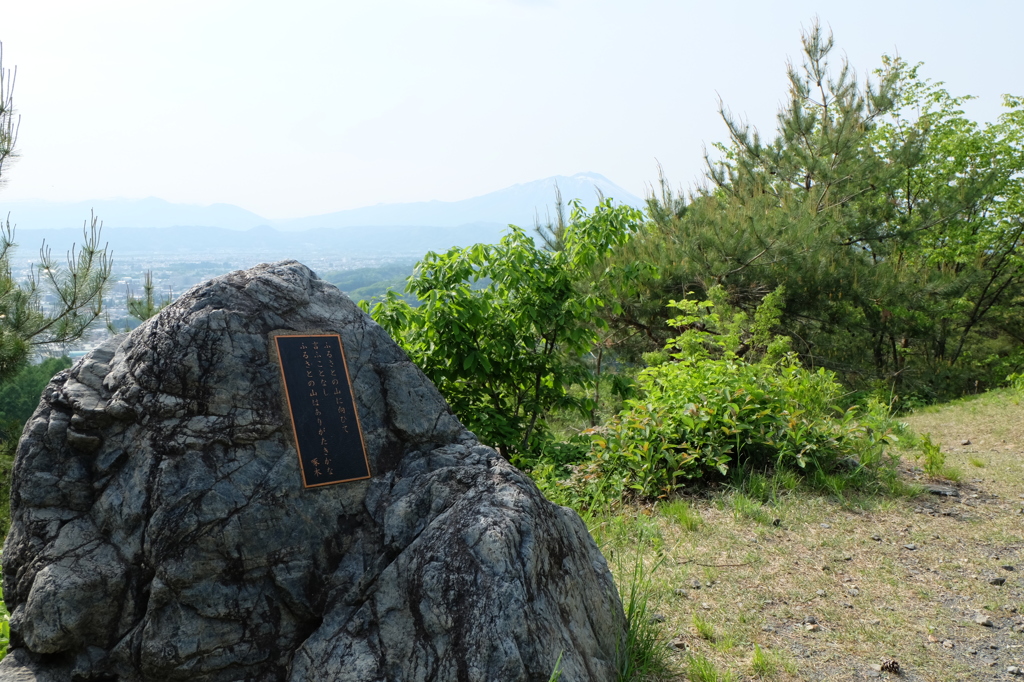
point(889, 223)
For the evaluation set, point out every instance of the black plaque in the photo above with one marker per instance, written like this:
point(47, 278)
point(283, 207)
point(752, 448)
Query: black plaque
point(323, 411)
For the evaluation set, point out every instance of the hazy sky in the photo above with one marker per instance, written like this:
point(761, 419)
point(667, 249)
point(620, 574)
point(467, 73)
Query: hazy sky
point(305, 107)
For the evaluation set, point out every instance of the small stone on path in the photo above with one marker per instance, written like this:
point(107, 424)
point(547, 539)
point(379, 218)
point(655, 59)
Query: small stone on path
point(982, 619)
point(911, 546)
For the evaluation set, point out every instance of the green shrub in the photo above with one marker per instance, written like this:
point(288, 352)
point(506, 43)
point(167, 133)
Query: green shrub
point(934, 459)
point(1017, 383)
point(8, 446)
point(731, 401)
point(501, 329)
point(19, 396)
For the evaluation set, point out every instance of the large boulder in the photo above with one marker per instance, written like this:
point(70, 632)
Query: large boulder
point(161, 530)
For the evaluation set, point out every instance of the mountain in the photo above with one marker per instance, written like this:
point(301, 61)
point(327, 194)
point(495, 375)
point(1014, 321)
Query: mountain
point(519, 204)
point(148, 213)
point(267, 243)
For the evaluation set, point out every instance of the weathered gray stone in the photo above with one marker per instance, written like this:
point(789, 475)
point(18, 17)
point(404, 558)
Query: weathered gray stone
point(161, 531)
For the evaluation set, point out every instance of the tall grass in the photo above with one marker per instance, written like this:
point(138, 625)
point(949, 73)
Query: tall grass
point(5, 626)
point(704, 628)
point(556, 674)
point(680, 511)
point(745, 508)
point(701, 669)
point(643, 655)
point(762, 665)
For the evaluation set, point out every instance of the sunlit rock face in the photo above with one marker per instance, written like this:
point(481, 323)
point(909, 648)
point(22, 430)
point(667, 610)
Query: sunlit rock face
point(161, 530)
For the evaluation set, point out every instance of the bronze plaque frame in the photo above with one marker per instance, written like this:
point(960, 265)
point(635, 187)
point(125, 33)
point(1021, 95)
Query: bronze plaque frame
point(327, 433)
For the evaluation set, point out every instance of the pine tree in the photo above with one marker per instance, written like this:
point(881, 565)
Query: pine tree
point(75, 288)
point(884, 213)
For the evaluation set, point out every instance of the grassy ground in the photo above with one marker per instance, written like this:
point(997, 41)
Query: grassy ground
point(806, 587)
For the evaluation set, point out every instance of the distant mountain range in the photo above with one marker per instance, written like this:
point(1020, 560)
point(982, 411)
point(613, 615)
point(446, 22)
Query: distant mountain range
point(520, 204)
point(130, 213)
point(265, 243)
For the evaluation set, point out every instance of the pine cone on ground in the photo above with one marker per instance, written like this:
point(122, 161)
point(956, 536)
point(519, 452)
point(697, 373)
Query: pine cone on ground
point(890, 665)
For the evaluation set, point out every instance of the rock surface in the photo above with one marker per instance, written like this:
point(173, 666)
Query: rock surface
point(161, 530)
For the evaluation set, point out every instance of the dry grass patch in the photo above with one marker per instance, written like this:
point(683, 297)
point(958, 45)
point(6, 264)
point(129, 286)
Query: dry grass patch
point(809, 587)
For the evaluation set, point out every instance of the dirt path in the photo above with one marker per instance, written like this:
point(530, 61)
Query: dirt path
point(984, 439)
point(832, 591)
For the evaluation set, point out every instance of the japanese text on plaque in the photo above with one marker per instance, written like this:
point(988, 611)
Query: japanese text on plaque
point(322, 407)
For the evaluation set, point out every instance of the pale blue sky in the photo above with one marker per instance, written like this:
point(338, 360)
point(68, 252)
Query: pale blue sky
point(304, 107)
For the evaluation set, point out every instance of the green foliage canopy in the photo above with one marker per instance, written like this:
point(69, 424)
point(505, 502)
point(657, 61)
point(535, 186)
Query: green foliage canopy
point(20, 395)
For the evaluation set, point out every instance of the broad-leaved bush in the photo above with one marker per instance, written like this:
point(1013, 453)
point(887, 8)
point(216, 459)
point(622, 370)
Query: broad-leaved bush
point(727, 399)
point(501, 329)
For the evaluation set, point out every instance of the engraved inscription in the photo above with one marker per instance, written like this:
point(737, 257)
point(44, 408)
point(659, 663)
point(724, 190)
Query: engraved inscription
point(323, 410)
